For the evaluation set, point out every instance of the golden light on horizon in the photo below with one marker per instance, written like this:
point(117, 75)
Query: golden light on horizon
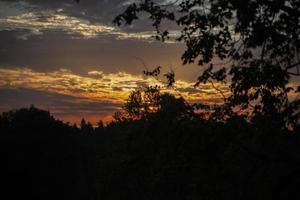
point(97, 86)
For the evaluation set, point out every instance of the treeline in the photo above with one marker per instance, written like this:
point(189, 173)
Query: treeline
point(36, 122)
point(156, 148)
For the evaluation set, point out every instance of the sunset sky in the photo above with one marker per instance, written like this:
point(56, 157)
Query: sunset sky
point(70, 59)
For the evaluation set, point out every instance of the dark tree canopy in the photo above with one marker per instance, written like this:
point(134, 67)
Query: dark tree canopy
point(151, 104)
point(256, 44)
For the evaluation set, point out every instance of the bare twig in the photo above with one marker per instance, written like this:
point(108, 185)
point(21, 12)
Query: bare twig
point(219, 90)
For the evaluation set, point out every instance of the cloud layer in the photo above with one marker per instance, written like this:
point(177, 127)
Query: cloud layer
point(97, 85)
point(81, 65)
point(89, 19)
point(77, 93)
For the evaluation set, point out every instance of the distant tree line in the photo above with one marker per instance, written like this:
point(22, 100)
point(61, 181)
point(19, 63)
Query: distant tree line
point(157, 147)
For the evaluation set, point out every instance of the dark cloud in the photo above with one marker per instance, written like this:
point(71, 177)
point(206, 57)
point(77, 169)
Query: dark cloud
point(54, 50)
point(93, 10)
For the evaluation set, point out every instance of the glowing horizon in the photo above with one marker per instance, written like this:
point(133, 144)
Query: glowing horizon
point(98, 87)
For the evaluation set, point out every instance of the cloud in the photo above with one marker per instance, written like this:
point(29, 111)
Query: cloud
point(96, 95)
point(54, 50)
point(40, 21)
point(95, 73)
point(109, 87)
point(87, 20)
point(47, 35)
point(103, 11)
point(49, 20)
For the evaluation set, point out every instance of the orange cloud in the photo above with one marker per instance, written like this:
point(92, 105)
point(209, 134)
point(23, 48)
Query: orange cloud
point(99, 86)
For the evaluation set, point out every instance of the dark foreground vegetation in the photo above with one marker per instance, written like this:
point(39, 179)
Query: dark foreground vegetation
point(158, 147)
point(169, 152)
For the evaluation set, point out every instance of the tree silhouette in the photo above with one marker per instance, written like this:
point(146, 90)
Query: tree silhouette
point(86, 128)
point(256, 43)
point(158, 146)
point(151, 104)
point(33, 122)
point(100, 128)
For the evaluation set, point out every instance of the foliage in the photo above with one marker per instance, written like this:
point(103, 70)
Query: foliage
point(257, 43)
point(151, 104)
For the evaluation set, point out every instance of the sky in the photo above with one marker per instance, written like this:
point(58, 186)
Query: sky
point(71, 59)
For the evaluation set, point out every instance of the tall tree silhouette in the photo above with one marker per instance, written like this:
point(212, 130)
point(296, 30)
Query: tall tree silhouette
point(86, 127)
point(257, 43)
